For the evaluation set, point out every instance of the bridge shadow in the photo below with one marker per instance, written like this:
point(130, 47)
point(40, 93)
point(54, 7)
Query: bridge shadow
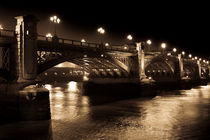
point(107, 93)
point(32, 130)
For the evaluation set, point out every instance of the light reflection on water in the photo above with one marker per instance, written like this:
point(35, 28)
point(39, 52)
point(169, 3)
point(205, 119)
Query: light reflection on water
point(175, 115)
point(180, 114)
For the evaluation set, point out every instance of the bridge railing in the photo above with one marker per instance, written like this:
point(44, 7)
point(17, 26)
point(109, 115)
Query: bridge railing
point(7, 33)
point(87, 44)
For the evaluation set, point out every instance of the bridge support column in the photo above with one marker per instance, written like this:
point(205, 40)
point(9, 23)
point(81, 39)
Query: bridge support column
point(199, 69)
point(181, 66)
point(26, 30)
point(140, 49)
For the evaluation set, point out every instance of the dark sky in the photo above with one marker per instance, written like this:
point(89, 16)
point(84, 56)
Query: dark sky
point(181, 25)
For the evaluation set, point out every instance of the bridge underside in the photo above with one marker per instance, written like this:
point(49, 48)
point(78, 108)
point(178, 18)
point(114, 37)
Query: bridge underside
point(94, 64)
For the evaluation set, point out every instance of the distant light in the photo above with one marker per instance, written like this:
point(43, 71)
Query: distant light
point(55, 19)
point(163, 45)
point(200, 59)
point(48, 86)
point(129, 37)
point(150, 78)
point(183, 53)
point(1, 28)
point(102, 55)
point(196, 57)
point(149, 42)
point(190, 55)
point(125, 47)
point(106, 44)
point(51, 18)
point(204, 61)
point(168, 54)
point(207, 62)
point(101, 30)
point(83, 40)
point(174, 49)
point(49, 35)
point(85, 78)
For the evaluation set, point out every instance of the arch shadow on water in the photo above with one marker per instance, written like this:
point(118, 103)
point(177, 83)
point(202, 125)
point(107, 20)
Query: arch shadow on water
point(107, 93)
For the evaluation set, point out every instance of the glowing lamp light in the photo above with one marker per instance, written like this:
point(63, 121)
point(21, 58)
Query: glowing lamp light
point(101, 30)
point(1, 28)
point(190, 55)
point(83, 40)
point(106, 44)
point(200, 59)
point(129, 37)
point(163, 45)
point(49, 35)
point(196, 58)
point(55, 19)
point(149, 42)
point(204, 61)
point(183, 53)
point(174, 50)
point(85, 78)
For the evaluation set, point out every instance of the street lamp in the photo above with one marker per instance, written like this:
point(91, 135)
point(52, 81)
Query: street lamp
point(196, 57)
point(106, 44)
point(183, 53)
point(129, 37)
point(149, 42)
point(49, 35)
point(174, 50)
point(163, 46)
point(101, 30)
point(190, 55)
point(1, 28)
point(83, 40)
point(55, 20)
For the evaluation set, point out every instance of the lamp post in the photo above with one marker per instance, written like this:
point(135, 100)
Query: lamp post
point(55, 20)
point(101, 31)
point(163, 46)
point(149, 42)
point(190, 55)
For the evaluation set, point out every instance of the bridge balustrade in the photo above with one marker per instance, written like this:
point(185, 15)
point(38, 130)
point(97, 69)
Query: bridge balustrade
point(7, 33)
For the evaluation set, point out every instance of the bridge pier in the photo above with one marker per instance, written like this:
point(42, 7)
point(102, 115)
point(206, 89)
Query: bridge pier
point(26, 57)
point(141, 65)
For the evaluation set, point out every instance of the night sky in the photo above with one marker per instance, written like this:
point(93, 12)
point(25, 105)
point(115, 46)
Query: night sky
point(181, 25)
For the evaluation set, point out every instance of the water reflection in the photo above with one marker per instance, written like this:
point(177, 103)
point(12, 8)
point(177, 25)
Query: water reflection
point(178, 114)
point(181, 114)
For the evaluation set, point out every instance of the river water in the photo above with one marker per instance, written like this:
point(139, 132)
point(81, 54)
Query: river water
point(178, 114)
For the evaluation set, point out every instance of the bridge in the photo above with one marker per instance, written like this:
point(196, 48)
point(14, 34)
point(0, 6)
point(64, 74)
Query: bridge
point(24, 54)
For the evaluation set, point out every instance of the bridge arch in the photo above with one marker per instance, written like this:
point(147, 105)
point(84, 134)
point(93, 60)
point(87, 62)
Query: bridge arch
point(161, 66)
point(110, 66)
